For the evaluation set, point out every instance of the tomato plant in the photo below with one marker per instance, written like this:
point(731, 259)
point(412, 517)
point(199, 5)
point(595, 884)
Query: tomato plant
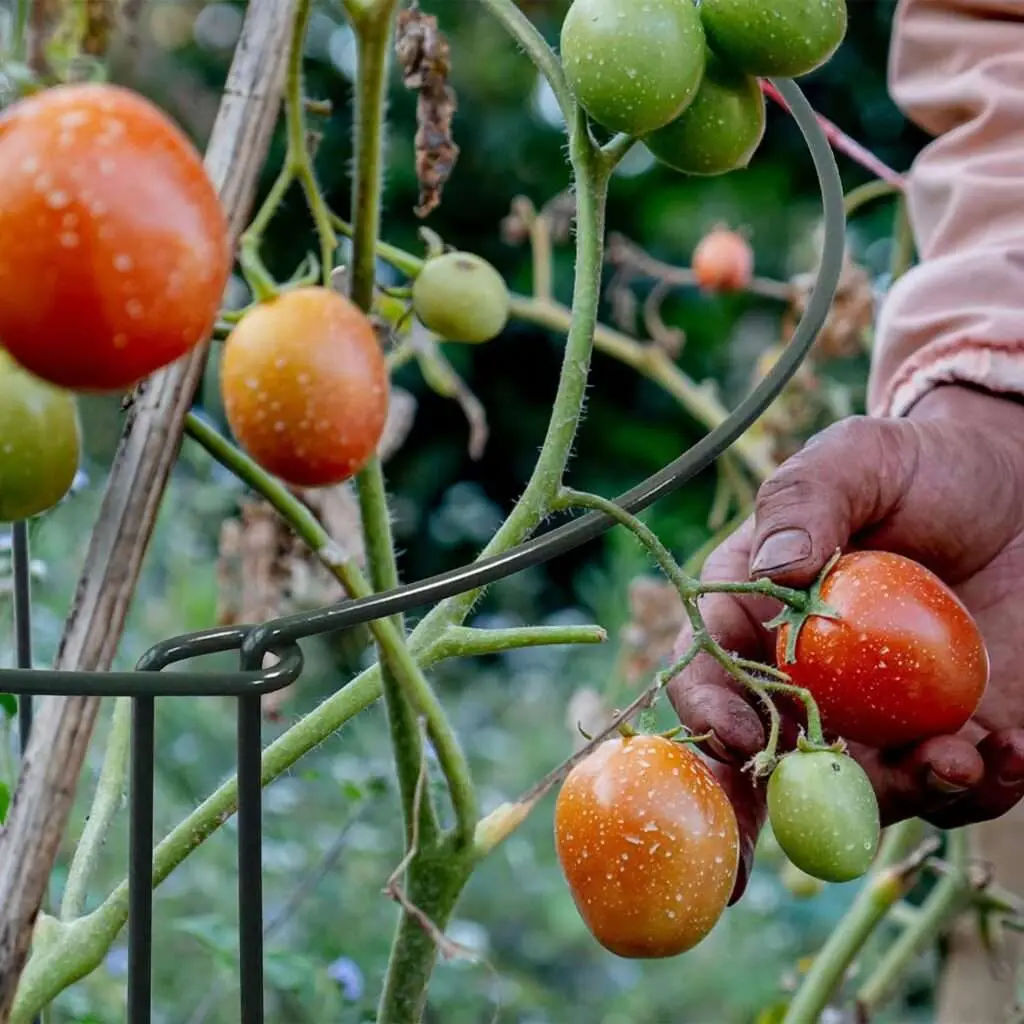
point(461, 297)
point(114, 248)
point(305, 386)
point(824, 814)
point(903, 661)
point(723, 261)
point(720, 130)
point(633, 67)
point(648, 842)
point(785, 38)
point(40, 442)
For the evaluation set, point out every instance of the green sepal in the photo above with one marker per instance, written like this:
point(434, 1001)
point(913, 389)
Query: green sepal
point(796, 618)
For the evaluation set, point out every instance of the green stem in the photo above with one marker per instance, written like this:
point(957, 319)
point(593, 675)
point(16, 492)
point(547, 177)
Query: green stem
point(465, 642)
point(299, 158)
point(880, 892)
point(109, 794)
point(950, 896)
point(868, 193)
point(902, 258)
point(591, 181)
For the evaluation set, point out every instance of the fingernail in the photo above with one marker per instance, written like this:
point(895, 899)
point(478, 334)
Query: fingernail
point(779, 550)
point(941, 785)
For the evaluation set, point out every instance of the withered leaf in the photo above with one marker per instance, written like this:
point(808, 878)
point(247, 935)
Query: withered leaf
point(424, 56)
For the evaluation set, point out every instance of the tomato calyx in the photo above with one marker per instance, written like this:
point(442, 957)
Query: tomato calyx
point(795, 617)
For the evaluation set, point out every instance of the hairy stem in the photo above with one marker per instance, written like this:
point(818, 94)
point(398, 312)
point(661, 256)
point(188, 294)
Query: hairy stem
point(105, 804)
point(952, 894)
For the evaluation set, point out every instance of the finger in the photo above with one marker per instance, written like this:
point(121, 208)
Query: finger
point(705, 697)
point(849, 477)
point(924, 779)
point(999, 790)
point(748, 801)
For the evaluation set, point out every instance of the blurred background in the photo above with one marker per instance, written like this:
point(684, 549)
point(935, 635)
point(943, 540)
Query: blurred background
point(331, 825)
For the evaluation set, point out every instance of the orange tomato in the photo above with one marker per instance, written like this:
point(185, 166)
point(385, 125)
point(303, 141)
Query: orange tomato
point(723, 261)
point(305, 387)
point(649, 845)
point(114, 247)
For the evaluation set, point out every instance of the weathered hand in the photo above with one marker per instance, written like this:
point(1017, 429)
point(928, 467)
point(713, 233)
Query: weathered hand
point(944, 486)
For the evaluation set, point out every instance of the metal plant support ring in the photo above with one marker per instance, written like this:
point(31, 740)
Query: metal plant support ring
point(280, 637)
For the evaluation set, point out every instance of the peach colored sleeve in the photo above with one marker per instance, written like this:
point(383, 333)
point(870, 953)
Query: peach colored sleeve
point(956, 69)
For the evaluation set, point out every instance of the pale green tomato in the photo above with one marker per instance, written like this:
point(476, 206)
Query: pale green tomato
point(720, 130)
point(784, 38)
point(824, 814)
point(40, 442)
point(461, 297)
point(634, 66)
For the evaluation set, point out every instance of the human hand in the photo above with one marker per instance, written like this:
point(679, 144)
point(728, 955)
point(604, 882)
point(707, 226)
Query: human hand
point(944, 486)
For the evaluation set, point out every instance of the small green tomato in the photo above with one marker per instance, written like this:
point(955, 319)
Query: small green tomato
point(633, 66)
point(461, 297)
point(40, 442)
point(824, 814)
point(720, 130)
point(785, 38)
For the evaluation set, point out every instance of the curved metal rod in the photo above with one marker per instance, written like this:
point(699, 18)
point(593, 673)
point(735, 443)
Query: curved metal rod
point(673, 476)
point(146, 680)
point(281, 633)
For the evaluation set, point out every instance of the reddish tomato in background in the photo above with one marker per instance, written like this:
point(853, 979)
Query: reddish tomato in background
point(648, 842)
point(306, 387)
point(723, 261)
point(114, 247)
point(905, 660)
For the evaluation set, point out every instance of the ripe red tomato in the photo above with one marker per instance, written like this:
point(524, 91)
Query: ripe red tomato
point(305, 387)
point(648, 842)
point(114, 247)
point(723, 261)
point(904, 661)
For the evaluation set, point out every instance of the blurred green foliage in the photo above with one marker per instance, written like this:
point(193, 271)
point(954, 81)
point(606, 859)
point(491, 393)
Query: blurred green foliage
point(326, 952)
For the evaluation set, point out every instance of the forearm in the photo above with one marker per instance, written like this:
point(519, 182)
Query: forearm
point(957, 70)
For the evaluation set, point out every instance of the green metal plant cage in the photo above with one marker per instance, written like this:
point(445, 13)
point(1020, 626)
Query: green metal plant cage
point(281, 636)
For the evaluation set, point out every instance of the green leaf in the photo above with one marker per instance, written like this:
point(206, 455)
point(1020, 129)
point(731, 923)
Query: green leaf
point(5, 801)
point(9, 704)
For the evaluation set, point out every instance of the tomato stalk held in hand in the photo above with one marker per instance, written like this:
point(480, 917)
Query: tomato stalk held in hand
point(903, 661)
point(824, 814)
point(40, 442)
point(114, 247)
point(649, 846)
point(305, 386)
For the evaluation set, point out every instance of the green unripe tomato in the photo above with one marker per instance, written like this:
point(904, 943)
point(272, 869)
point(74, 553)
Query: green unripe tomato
point(40, 442)
point(461, 297)
point(785, 38)
point(720, 130)
point(633, 66)
point(824, 814)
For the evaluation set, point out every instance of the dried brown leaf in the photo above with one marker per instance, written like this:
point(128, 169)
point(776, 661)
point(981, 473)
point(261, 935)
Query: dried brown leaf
point(425, 59)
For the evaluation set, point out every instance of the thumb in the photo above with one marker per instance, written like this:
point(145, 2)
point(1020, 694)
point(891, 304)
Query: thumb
point(849, 477)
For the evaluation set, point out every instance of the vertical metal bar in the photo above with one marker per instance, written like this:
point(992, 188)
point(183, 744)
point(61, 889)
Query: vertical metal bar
point(140, 862)
point(250, 858)
point(22, 559)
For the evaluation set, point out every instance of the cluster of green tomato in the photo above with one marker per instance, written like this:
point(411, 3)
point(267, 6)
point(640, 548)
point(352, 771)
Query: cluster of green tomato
point(683, 76)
